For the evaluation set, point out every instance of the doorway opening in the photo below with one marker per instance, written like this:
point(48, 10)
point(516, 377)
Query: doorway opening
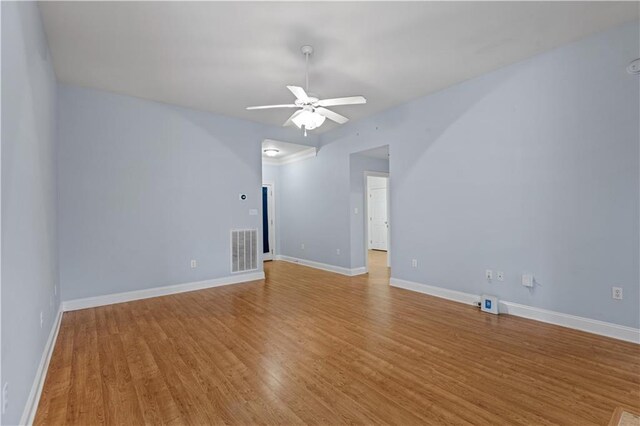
point(377, 233)
point(268, 222)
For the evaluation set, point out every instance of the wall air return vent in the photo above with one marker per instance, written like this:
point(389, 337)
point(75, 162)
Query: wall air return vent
point(244, 250)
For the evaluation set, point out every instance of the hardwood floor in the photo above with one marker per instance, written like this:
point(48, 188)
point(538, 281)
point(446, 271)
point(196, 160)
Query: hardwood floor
point(307, 346)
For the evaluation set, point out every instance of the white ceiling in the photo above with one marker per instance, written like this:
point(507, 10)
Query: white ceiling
point(224, 56)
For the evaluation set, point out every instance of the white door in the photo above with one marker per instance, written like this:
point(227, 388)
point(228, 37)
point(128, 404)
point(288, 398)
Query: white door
point(378, 221)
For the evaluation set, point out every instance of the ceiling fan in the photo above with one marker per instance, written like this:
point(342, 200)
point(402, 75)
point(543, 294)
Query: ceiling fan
point(312, 112)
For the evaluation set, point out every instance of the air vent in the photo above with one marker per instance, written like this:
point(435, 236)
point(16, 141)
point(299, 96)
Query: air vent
point(244, 250)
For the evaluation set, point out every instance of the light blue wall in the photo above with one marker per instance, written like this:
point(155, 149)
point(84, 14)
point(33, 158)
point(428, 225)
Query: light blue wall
point(145, 187)
point(29, 250)
point(533, 167)
point(314, 208)
point(358, 164)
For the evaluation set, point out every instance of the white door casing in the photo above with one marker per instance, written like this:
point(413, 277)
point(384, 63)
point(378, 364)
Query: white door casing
point(271, 220)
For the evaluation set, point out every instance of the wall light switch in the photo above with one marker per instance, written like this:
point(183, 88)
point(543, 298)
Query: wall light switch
point(527, 280)
point(355, 210)
point(616, 293)
point(338, 251)
point(253, 212)
point(488, 274)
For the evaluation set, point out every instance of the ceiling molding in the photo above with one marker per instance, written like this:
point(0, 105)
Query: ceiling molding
point(291, 158)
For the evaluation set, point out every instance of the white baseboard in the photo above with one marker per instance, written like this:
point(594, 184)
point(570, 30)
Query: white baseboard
point(110, 299)
point(324, 266)
point(444, 293)
point(602, 328)
point(30, 408)
point(359, 271)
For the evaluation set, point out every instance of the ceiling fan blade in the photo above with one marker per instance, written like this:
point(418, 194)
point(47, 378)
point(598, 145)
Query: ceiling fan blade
point(332, 115)
point(289, 122)
point(299, 93)
point(352, 100)
point(272, 106)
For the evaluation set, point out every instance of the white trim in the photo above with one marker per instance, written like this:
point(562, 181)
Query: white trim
point(358, 271)
point(271, 218)
point(365, 215)
point(324, 266)
point(30, 408)
point(109, 299)
point(444, 293)
point(291, 158)
point(588, 325)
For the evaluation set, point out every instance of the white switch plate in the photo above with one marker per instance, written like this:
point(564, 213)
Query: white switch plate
point(527, 280)
point(488, 274)
point(253, 212)
point(337, 251)
point(414, 263)
point(355, 210)
point(616, 293)
point(302, 246)
point(500, 275)
point(194, 263)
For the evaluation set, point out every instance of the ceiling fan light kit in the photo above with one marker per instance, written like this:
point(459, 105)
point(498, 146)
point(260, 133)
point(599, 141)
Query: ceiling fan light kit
point(271, 152)
point(312, 112)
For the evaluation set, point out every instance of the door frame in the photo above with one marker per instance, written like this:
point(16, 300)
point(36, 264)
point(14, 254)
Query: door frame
point(271, 217)
point(366, 216)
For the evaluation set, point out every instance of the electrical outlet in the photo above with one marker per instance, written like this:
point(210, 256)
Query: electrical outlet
point(414, 263)
point(616, 293)
point(338, 252)
point(500, 276)
point(527, 280)
point(194, 263)
point(5, 397)
point(41, 319)
point(488, 274)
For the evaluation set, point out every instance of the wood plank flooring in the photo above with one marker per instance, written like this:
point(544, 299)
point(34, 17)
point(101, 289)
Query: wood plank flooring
point(307, 346)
